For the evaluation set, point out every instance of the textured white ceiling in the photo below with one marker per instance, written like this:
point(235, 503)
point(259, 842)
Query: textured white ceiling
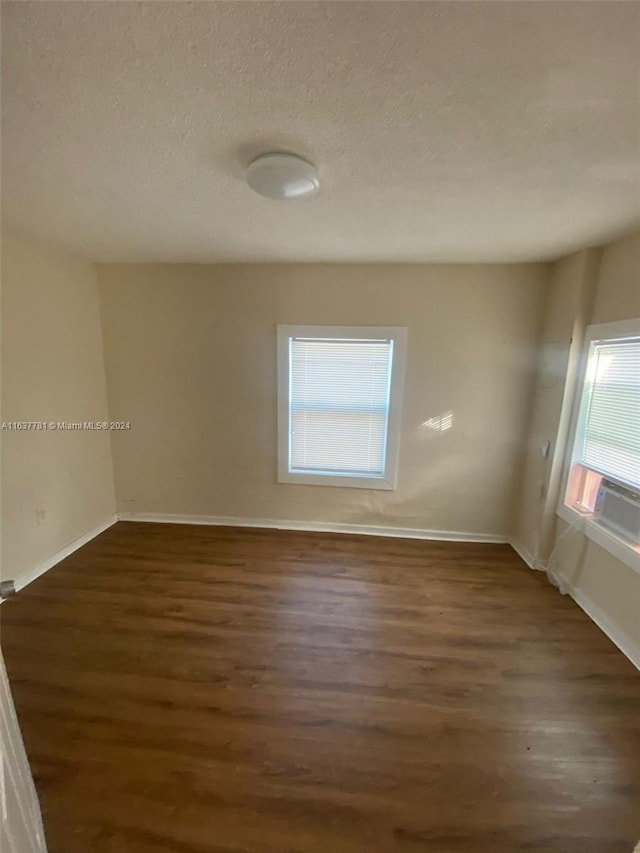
point(457, 131)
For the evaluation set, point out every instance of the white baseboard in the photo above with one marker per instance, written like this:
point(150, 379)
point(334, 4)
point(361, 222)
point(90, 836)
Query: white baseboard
point(624, 643)
point(626, 646)
point(527, 556)
point(26, 578)
point(316, 527)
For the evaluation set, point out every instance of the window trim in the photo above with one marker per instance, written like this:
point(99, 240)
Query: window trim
point(602, 536)
point(396, 334)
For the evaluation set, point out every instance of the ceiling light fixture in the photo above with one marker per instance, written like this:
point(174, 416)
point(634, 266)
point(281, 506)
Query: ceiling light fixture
point(282, 175)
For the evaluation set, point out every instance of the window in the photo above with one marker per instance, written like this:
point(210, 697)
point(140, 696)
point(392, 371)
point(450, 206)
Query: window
point(339, 399)
point(603, 478)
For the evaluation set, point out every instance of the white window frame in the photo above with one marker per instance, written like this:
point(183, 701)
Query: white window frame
point(602, 536)
point(399, 337)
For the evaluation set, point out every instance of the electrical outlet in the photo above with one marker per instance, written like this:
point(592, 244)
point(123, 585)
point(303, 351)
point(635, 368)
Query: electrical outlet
point(40, 515)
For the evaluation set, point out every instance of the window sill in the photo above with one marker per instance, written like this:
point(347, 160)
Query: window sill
point(606, 539)
point(336, 480)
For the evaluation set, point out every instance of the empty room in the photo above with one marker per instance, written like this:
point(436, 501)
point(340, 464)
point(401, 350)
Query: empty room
point(320, 426)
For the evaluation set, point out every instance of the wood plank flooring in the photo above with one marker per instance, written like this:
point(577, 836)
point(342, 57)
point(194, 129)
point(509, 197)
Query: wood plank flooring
point(199, 689)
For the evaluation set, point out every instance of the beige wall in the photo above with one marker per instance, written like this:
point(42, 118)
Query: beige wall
point(567, 311)
point(618, 292)
point(191, 362)
point(56, 486)
point(586, 288)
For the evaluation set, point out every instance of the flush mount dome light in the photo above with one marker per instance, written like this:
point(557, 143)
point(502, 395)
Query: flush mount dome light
point(281, 175)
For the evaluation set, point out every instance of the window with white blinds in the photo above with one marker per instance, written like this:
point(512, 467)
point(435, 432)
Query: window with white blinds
point(339, 405)
point(608, 432)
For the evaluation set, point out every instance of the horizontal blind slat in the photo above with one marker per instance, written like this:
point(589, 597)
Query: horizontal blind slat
point(610, 440)
point(339, 403)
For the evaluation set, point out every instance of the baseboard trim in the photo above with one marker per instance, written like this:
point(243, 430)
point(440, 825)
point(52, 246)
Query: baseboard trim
point(586, 604)
point(316, 527)
point(628, 648)
point(28, 577)
point(527, 556)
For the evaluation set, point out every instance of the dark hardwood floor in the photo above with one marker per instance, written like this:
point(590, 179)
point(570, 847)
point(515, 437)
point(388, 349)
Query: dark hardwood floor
point(200, 689)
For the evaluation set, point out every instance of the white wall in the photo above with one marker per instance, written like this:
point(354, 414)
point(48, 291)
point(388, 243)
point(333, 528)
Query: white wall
point(56, 486)
point(191, 362)
point(586, 288)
